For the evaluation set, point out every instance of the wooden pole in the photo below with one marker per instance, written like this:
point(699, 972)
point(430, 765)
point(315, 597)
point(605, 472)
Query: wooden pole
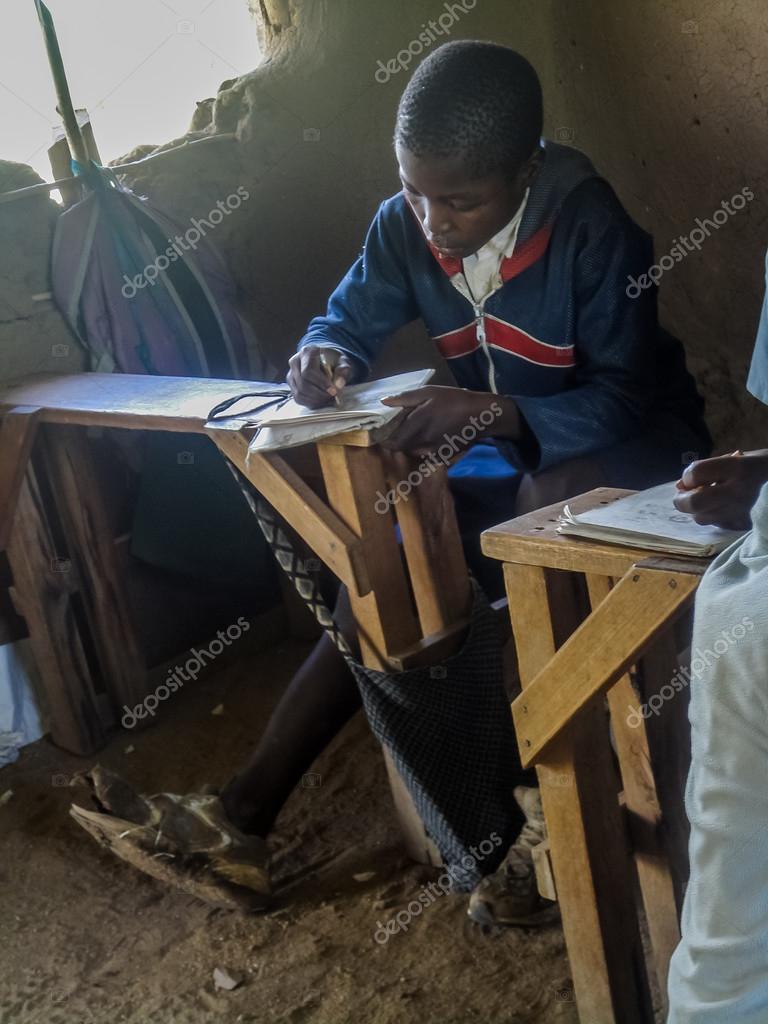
point(66, 109)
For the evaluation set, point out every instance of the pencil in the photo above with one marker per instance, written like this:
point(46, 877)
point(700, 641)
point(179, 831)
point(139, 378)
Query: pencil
point(328, 372)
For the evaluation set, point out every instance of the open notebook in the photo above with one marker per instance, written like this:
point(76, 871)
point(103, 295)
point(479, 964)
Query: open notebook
point(648, 519)
point(359, 408)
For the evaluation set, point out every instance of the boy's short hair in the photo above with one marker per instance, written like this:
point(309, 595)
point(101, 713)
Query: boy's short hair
point(475, 99)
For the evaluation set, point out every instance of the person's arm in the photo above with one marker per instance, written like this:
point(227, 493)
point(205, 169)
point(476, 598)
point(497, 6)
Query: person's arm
point(374, 299)
point(615, 342)
point(722, 491)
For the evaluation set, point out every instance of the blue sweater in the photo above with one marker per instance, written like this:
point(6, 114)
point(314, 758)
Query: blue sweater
point(587, 366)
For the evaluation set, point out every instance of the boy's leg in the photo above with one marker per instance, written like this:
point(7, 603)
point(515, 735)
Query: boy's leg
point(319, 701)
point(718, 972)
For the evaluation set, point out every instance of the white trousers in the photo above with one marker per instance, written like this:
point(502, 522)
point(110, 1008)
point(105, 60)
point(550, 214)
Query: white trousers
point(719, 972)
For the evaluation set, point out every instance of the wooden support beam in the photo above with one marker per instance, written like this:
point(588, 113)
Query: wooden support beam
point(322, 528)
point(645, 817)
point(587, 664)
point(386, 617)
point(432, 545)
point(590, 859)
point(45, 592)
point(81, 506)
point(433, 648)
point(17, 435)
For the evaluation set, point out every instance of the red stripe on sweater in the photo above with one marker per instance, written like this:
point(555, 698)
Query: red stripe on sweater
point(512, 339)
point(526, 254)
point(458, 343)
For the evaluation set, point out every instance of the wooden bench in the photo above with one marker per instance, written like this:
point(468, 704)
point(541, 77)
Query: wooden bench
point(410, 603)
point(591, 621)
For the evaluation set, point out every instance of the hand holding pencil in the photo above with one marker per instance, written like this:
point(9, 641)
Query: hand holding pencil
point(317, 373)
point(721, 491)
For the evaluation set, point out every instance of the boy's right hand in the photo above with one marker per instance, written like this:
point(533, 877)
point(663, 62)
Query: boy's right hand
point(310, 382)
point(721, 491)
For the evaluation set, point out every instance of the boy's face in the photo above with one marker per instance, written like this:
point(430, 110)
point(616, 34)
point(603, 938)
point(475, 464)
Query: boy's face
point(458, 214)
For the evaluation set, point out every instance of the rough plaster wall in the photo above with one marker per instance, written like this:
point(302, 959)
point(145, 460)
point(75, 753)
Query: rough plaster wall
point(667, 96)
point(33, 335)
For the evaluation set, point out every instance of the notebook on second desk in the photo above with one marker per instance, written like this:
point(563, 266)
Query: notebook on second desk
point(649, 520)
point(359, 408)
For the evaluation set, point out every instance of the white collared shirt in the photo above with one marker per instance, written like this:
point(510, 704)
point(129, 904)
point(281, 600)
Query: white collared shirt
point(482, 270)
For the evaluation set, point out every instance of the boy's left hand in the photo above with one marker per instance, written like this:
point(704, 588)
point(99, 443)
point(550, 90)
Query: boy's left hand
point(434, 412)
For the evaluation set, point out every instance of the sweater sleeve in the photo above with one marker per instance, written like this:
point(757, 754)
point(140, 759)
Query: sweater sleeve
point(615, 342)
point(373, 300)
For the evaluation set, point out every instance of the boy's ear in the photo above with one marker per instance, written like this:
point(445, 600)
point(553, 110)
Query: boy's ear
point(530, 169)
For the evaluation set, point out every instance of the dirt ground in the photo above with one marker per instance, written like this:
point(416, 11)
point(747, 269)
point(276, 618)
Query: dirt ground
point(86, 939)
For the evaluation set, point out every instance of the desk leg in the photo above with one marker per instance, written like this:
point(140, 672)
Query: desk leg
point(669, 740)
point(645, 817)
point(46, 593)
point(78, 495)
point(17, 434)
point(432, 546)
point(386, 617)
point(590, 859)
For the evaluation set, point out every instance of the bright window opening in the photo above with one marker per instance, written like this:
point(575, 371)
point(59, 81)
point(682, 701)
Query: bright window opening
point(138, 68)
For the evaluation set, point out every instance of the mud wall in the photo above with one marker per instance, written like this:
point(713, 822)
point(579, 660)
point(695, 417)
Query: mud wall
point(667, 96)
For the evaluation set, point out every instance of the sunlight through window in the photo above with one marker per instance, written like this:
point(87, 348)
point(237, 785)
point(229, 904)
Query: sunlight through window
point(138, 68)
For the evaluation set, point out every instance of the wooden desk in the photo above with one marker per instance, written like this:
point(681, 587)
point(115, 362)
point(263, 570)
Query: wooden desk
point(607, 829)
point(410, 603)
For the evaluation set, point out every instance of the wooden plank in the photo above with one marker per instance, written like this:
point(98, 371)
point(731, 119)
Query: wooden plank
point(339, 547)
point(17, 434)
point(144, 402)
point(45, 589)
point(433, 648)
point(432, 545)
point(598, 653)
point(386, 617)
point(81, 506)
point(579, 792)
point(669, 740)
point(642, 804)
point(353, 477)
point(533, 539)
point(531, 620)
point(127, 400)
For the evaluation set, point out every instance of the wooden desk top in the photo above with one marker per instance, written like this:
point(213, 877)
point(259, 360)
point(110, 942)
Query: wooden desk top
point(142, 402)
point(130, 401)
point(533, 539)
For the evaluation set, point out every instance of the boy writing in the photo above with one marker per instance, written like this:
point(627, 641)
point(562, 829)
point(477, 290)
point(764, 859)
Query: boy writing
point(515, 254)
